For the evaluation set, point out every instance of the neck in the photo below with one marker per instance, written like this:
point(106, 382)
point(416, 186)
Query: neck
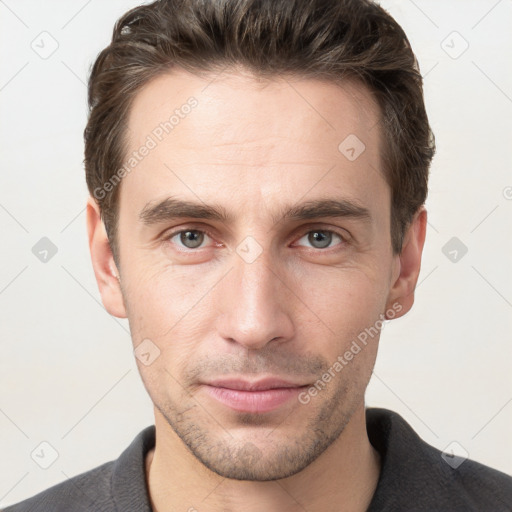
point(343, 478)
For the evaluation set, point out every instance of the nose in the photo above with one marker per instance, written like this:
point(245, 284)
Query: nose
point(254, 304)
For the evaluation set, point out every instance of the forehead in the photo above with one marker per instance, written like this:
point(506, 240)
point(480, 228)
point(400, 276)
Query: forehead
point(231, 100)
point(219, 135)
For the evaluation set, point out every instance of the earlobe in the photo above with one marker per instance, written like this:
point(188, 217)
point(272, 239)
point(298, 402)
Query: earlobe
point(105, 269)
point(409, 265)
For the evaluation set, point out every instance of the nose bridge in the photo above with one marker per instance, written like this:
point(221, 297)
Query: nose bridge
point(253, 311)
point(257, 279)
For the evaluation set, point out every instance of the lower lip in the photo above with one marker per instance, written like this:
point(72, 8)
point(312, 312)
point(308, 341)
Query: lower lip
point(253, 401)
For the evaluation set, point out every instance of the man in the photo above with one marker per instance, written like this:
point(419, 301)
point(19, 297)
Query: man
point(258, 173)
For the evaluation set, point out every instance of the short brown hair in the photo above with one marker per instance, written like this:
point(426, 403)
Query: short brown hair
point(324, 39)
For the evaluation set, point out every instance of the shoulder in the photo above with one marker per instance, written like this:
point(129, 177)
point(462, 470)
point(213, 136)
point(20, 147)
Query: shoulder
point(88, 491)
point(417, 476)
point(483, 486)
point(115, 486)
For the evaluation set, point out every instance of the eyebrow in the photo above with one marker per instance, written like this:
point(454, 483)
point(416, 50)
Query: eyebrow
point(172, 208)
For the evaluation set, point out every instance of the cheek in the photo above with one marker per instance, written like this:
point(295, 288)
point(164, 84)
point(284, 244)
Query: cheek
point(345, 300)
point(349, 304)
point(168, 310)
point(159, 296)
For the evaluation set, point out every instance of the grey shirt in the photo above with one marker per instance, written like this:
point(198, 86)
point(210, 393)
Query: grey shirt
point(414, 477)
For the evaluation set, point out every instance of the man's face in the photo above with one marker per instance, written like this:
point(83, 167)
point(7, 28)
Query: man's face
point(259, 294)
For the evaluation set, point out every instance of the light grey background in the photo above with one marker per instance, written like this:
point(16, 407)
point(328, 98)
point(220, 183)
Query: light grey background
point(68, 376)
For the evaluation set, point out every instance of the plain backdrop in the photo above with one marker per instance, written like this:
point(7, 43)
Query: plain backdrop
point(68, 376)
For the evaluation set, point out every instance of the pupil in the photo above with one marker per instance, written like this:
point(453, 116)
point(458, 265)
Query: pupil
point(320, 238)
point(191, 239)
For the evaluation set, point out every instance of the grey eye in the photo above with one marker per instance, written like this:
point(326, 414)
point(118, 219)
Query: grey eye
point(191, 239)
point(320, 239)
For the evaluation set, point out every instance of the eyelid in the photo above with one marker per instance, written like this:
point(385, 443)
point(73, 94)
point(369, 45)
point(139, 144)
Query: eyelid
point(328, 229)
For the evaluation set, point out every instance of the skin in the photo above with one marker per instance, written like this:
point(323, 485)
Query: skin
point(255, 147)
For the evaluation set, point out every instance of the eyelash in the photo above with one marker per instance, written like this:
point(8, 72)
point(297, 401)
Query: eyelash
point(167, 238)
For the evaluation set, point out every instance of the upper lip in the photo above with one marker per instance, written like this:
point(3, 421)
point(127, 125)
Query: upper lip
point(257, 385)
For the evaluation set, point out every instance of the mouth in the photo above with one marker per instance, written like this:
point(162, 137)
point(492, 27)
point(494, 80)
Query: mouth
point(256, 397)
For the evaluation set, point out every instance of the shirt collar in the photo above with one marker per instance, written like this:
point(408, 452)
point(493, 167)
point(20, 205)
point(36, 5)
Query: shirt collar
point(128, 484)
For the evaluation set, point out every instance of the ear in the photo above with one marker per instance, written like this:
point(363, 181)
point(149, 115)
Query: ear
point(105, 269)
point(408, 265)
